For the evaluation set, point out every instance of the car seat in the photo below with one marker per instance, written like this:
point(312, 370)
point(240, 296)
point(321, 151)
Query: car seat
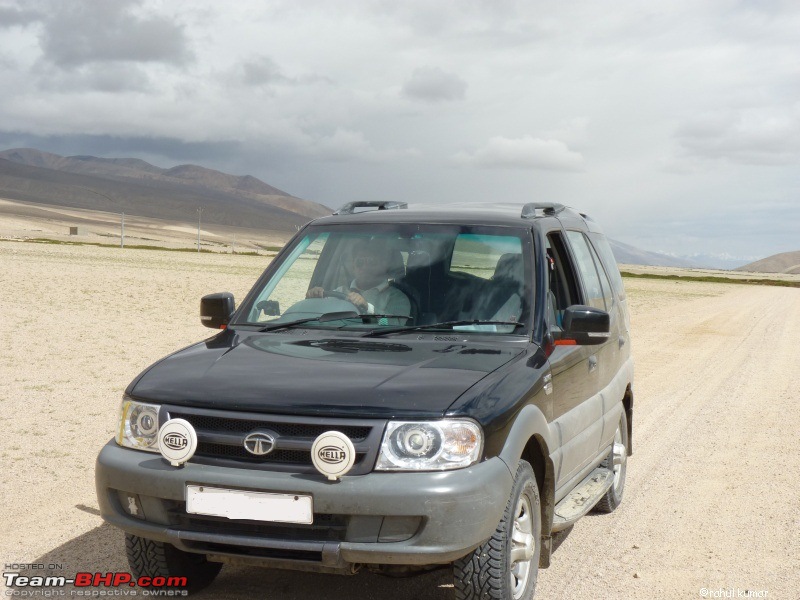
point(505, 290)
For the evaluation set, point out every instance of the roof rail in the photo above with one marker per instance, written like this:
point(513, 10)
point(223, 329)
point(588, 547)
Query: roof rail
point(549, 208)
point(350, 207)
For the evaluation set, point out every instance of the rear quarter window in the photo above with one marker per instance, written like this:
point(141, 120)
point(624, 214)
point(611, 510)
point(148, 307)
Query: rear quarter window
point(603, 248)
point(607, 293)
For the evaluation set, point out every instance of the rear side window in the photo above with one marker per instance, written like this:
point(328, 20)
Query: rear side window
point(588, 270)
point(480, 254)
point(603, 248)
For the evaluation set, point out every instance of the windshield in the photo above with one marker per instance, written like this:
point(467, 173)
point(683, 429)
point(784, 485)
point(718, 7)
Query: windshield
point(400, 275)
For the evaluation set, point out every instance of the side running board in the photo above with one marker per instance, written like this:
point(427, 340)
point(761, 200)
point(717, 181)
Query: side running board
point(582, 499)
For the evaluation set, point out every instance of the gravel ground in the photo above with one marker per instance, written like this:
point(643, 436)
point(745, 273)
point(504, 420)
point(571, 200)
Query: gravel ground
point(712, 489)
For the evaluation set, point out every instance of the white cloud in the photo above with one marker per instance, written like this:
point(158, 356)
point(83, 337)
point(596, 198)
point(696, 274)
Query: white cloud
point(12, 16)
point(431, 84)
point(262, 70)
point(527, 152)
point(342, 145)
point(82, 31)
point(128, 77)
point(572, 131)
point(753, 136)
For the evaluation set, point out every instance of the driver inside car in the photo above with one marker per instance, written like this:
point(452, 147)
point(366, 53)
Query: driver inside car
point(370, 290)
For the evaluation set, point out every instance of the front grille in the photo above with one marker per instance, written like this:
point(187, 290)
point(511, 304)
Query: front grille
point(278, 456)
point(221, 434)
point(292, 457)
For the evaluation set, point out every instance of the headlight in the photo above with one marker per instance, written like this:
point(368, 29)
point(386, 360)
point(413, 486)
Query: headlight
point(138, 425)
point(430, 446)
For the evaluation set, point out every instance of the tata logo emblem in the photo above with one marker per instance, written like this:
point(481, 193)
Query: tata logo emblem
point(259, 443)
point(331, 455)
point(176, 441)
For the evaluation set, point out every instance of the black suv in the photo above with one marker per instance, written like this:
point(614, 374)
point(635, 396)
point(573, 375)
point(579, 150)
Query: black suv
point(402, 389)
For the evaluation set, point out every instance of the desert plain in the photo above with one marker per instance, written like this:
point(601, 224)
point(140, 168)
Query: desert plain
point(712, 502)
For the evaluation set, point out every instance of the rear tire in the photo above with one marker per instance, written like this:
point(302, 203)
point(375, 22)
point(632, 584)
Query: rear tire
point(158, 559)
point(617, 462)
point(505, 567)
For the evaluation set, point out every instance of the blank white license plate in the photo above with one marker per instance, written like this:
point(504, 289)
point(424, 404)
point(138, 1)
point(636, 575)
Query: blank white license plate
point(253, 506)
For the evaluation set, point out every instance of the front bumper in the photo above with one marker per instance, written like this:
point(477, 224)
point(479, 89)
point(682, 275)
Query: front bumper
point(377, 518)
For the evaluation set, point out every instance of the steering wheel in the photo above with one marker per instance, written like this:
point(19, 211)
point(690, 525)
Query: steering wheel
point(334, 294)
point(341, 296)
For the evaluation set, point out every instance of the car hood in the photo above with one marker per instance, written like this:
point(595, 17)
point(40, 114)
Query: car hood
point(292, 373)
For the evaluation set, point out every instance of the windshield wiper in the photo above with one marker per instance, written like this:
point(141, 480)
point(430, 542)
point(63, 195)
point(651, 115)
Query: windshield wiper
point(331, 316)
point(442, 325)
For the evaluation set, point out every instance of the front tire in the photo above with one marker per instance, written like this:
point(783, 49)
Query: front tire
point(505, 567)
point(158, 559)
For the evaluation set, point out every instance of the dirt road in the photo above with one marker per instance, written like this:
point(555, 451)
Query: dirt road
point(712, 500)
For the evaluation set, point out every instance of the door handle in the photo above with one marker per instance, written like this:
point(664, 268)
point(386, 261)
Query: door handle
point(592, 363)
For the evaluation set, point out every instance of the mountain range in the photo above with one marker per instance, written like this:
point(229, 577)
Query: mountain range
point(785, 262)
point(630, 255)
point(136, 187)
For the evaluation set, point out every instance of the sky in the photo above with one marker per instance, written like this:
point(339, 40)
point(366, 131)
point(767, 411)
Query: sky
point(674, 124)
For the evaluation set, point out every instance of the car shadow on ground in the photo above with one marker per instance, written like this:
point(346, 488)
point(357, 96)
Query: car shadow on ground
point(102, 550)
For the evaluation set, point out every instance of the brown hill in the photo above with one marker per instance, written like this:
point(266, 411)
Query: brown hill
point(785, 262)
point(136, 187)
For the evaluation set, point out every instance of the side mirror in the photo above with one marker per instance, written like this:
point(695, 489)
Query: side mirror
point(584, 326)
point(216, 310)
